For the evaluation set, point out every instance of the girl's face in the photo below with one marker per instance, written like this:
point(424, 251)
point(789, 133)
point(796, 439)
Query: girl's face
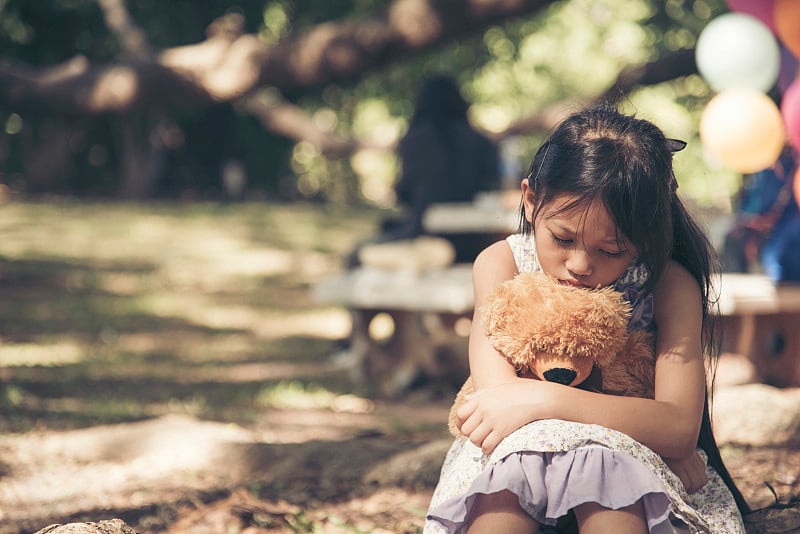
point(580, 246)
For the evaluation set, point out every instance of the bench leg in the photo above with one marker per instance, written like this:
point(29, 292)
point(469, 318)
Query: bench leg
point(772, 342)
point(389, 367)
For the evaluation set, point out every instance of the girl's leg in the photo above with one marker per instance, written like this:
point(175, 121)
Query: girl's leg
point(593, 518)
point(500, 512)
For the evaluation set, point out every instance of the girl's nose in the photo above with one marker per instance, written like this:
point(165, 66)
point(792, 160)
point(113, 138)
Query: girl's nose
point(578, 263)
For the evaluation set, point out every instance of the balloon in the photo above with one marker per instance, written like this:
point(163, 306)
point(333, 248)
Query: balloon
point(743, 129)
point(737, 50)
point(790, 68)
point(796, 186)
point(786, 15)
point(760, 9)
point(790, 110)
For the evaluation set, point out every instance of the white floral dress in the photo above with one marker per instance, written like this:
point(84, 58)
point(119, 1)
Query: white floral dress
point(553, 466)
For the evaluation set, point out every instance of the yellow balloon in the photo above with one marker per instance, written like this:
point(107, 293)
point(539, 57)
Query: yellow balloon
point(743, 129)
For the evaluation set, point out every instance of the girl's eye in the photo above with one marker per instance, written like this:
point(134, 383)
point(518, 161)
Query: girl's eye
point(611, 254)
point(561, 242)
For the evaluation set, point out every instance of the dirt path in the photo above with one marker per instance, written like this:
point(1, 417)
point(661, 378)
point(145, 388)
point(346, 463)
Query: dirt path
point(179, 474)
point(167, 473)
point(164, 364)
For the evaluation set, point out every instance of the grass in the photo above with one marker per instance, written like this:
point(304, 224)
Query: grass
point(117, 312)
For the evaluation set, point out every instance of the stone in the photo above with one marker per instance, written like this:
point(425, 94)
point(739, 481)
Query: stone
point(110, 526)
point(756, 415)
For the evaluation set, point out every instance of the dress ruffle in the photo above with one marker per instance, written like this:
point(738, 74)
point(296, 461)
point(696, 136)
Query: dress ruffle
point(550, 484)
point(554, 465)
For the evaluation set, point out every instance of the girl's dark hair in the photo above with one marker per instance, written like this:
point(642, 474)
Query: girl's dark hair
point(600, 154)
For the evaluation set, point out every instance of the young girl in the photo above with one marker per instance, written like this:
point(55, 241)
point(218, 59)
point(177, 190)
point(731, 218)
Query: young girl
point(599, 208)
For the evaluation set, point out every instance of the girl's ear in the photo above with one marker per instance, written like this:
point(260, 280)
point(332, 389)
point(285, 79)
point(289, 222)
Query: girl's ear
point(527, 200)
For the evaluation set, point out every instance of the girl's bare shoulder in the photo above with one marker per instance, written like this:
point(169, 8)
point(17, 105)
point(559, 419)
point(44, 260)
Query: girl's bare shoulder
point(494, 264)
point(495, 255)
point(677, 287)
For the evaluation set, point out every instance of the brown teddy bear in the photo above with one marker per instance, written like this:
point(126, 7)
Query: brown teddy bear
point(559, 333)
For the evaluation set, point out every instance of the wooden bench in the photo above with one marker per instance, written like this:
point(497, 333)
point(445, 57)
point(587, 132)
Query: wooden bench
point(761, 320)
point(429, 314)
point(431, 311)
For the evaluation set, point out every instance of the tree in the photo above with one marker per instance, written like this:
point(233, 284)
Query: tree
point(139, 90)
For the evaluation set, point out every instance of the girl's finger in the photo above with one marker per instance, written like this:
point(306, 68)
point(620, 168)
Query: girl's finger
point(490, 443)
point(478, 436)
point(466, 410)
point(468, 425)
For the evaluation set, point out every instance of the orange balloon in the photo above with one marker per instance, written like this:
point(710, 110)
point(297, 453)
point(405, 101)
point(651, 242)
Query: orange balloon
point(743, 130)
point(787, 24)
point(796, 185)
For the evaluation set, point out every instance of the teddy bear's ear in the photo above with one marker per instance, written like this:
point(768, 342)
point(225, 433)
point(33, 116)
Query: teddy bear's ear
point(510, 313)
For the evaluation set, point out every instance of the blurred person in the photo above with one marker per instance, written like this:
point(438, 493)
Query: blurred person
point(766, 232)
point(443, 159)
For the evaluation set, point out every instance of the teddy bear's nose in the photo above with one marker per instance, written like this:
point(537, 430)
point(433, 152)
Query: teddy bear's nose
point(560, 375)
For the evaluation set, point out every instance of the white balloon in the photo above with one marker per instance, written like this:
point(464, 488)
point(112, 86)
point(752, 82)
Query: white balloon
point(736, 50)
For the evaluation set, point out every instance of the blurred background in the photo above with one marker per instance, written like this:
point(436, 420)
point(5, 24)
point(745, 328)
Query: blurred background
point(303, 100)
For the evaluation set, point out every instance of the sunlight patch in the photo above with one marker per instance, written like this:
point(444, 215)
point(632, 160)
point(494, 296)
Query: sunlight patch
point(254, 262)
point(331, 324)
point(33, 354)
point(324, 324)
point(295, 395)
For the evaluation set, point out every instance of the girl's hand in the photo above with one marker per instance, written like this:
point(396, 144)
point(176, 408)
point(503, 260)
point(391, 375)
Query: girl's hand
point(489, 415)
point(691, 470)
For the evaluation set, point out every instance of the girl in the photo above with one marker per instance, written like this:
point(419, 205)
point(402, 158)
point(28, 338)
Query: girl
point(599, 208)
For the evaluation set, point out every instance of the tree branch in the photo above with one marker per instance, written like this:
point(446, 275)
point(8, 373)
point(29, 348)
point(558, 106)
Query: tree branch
point(229, 65)
point(132, 39)
point(665, 68)
point(292, 122)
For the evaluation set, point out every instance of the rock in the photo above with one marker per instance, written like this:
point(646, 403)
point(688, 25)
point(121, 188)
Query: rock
point(733, 370)
point(110, 526)
point(783, 518)
point(756, 415)
point(420, 465)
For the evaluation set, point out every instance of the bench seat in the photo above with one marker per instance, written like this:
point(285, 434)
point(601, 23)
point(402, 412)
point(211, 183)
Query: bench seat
point(760, 319)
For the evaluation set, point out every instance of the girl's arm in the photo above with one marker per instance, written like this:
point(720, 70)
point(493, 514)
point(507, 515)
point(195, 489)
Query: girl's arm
point(488, 367)
point(493, 416)
point(668, 424)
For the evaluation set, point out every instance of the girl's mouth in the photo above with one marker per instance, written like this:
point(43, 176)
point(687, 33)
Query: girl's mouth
point(573, 283)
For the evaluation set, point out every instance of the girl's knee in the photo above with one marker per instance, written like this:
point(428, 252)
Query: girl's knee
point(501, 512)
point(502, 500)
point(593, 517)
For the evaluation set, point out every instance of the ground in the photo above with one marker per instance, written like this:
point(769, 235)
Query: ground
point(177, 474)
point(165, 364)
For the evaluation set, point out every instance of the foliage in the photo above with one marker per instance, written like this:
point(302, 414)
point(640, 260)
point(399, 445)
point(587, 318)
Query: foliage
point(572, 51)
point(569, 51)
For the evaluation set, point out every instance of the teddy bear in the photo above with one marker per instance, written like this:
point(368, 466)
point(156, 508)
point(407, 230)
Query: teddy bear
point(560, 333)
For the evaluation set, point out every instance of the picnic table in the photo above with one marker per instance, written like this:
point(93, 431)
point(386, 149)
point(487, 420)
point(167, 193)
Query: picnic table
point(473, 226)
point(428, 312)
point(761, 320)
point(493, 213)
point(431, 311)
point(431, 308)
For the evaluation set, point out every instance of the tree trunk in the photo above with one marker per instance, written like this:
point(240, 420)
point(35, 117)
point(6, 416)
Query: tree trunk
point(141, 157)
point(48, 146)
